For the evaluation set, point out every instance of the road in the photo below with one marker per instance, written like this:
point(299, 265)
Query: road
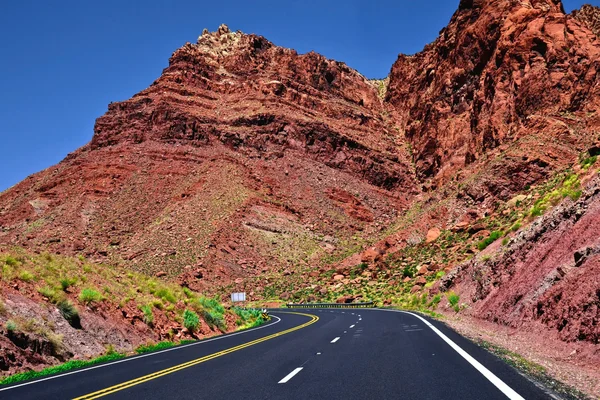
point(304, 354)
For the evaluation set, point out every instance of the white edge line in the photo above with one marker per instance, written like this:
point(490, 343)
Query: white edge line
point(351, 326)
point(127, 359)
point(503, 387)
point(335, 340)
point(290, 375)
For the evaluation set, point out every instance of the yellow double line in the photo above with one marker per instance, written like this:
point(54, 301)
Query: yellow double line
point(155, 375)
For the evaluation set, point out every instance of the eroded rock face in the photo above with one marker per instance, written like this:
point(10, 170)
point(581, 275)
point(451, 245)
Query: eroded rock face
point(260, 99)
point(501, 70)
point(589, 16)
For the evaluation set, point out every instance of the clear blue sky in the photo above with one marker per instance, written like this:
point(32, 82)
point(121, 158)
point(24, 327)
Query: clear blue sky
point(62, 64)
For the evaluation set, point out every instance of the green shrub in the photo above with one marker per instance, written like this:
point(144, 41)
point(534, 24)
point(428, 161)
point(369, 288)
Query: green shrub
point(47, 292)
point(409, 271)
point(495, 235)
point(453, 299)
point(212, 304)
point(435, 301)
point(440, 274)
point(166, 295)
point(214, 319)
point(66, 283)
point(505, 241)
point(148, 314)
point(69, 313)
point(191, 320)
point(588, 162)
point(516, 226)
point(188, 293)
point(26, 276)
point(11, 325)
point(89, 296)
point(11, 261)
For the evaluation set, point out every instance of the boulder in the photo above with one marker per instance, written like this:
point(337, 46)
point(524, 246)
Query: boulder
point(432, 235)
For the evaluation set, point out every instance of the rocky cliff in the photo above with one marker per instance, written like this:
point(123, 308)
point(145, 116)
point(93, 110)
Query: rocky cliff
point(502, 71)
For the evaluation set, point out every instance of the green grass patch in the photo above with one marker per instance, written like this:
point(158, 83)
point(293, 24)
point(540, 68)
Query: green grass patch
point(148, 314)
point(495, 235)
point(66, 283)
point(89, 296)
point(68, 366)
point(453, 299)
point(588, 162)
point(26, 276)
point(146, 348)
point(191, 321)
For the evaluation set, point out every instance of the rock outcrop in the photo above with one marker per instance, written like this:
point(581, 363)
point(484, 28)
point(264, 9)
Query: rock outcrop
point(501, 72)
point(589, 16)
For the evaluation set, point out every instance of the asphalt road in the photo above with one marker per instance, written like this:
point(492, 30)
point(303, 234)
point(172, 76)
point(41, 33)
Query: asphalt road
point(318, 354)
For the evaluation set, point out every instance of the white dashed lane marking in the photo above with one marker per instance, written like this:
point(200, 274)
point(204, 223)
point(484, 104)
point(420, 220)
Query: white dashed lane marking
point(290, 375)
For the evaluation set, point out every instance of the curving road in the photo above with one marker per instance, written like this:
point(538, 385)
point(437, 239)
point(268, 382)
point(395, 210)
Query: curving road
point(303, 354)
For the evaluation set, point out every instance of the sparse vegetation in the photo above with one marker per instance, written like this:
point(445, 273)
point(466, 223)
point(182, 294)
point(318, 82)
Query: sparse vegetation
point(453, 299)
point(26, 276)
point(89, 296)
point(148, 314)
point(191, 320)
point(69, 313)
point(11, 326)
point(588, 162)
point(570, 187)
point(495, 235)
point(66, 283)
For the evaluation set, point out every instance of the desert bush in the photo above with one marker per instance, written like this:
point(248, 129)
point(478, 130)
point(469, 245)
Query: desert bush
point(453, 299)
point(89, 296)
point(11, 261)
point(191, 320)
point(588, 162)
point(69, 313)
point(435, 301)
point(495, 235)
point(26, 276)
point(51, 294)
point(66, 283)
point(166, 295)
point(148, 314)
point(212, 304)
point(11, 325)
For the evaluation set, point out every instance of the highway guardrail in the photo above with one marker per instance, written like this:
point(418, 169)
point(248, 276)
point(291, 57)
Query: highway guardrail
point(369, 304)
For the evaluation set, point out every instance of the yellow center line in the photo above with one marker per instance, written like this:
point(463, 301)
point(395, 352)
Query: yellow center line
point(158, 374)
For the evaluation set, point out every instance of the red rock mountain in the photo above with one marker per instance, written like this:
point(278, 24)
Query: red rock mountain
point(242, 157)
